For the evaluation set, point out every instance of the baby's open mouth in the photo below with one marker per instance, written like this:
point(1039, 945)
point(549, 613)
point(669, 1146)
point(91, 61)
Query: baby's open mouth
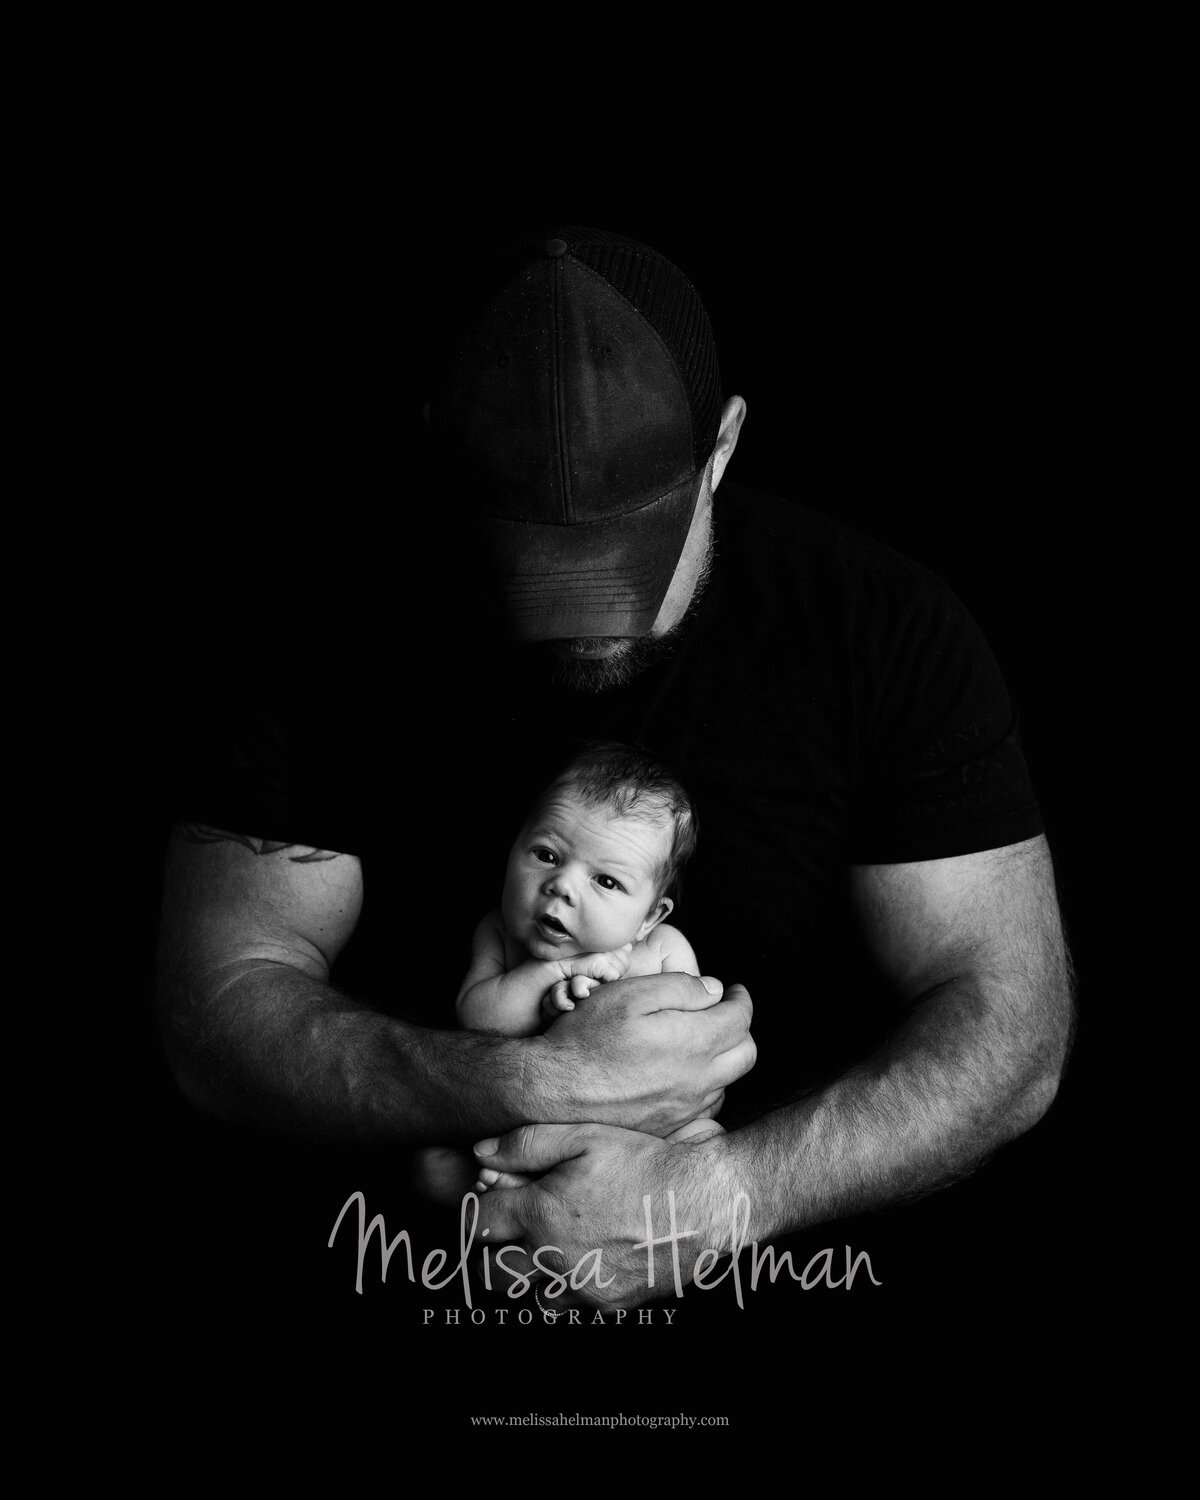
point(553, 924)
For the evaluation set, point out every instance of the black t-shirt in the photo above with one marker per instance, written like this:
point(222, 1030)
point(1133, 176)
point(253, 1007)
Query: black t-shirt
point(831, 703)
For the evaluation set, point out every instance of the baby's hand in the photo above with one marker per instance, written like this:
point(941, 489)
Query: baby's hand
point(581, 975)
point(562, 996)
point(602, 967)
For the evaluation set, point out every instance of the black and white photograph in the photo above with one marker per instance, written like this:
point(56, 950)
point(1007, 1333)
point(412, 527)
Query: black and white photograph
point(616, 927)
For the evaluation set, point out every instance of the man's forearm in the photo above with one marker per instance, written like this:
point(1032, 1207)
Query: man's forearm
point(265, 1044)
point(950, 1088)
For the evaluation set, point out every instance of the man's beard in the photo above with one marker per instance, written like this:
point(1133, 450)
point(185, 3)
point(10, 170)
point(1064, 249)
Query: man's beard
point(600, 674)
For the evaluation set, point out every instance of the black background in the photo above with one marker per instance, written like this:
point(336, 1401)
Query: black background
point(917, 355)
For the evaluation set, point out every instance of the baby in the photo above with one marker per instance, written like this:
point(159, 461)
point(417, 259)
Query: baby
point(586, 894)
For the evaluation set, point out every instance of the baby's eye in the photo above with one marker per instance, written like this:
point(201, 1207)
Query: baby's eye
point(546, 856)
point(606, 882)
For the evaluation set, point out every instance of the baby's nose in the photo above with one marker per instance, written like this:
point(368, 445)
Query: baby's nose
point(560, 884)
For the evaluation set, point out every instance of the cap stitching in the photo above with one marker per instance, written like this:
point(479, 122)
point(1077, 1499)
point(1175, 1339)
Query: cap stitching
point(693, 478)
point(560, 402)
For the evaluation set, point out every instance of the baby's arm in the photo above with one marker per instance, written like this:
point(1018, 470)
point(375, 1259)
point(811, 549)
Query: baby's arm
point(509, 1001)
point(491, 998)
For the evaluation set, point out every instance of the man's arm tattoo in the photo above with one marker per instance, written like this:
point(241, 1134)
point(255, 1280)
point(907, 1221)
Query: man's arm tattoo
point(200, 833)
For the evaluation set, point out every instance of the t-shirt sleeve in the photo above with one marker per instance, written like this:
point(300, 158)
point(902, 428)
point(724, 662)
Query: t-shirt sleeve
point(941, 769)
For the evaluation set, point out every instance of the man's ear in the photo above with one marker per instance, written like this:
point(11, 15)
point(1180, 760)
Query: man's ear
point(732, 417)
point(661, 909)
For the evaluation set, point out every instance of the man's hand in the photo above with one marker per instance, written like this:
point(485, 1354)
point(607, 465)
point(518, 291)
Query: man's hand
point(590, 1198)
point(660, 1051)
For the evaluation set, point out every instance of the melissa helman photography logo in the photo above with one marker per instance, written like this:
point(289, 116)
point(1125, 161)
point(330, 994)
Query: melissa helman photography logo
point(533, 1284)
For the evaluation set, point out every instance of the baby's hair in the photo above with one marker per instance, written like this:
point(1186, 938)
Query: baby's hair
point(635, 784)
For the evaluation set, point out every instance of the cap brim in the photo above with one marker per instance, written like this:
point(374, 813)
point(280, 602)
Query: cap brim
point(592, 578)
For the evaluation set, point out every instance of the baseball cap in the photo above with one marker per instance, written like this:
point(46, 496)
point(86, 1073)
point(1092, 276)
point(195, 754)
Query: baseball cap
point(577, 420)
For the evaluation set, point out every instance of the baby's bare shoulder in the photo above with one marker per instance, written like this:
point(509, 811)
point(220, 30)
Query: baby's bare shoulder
point(665, 950)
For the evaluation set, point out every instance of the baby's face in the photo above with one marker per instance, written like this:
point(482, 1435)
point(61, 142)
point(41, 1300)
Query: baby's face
point(582, 880)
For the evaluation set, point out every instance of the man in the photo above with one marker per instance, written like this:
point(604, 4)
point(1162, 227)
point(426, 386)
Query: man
point(871, 865)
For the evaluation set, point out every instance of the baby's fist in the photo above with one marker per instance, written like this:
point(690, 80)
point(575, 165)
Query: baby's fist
point(603, 967)
point(557, 999)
